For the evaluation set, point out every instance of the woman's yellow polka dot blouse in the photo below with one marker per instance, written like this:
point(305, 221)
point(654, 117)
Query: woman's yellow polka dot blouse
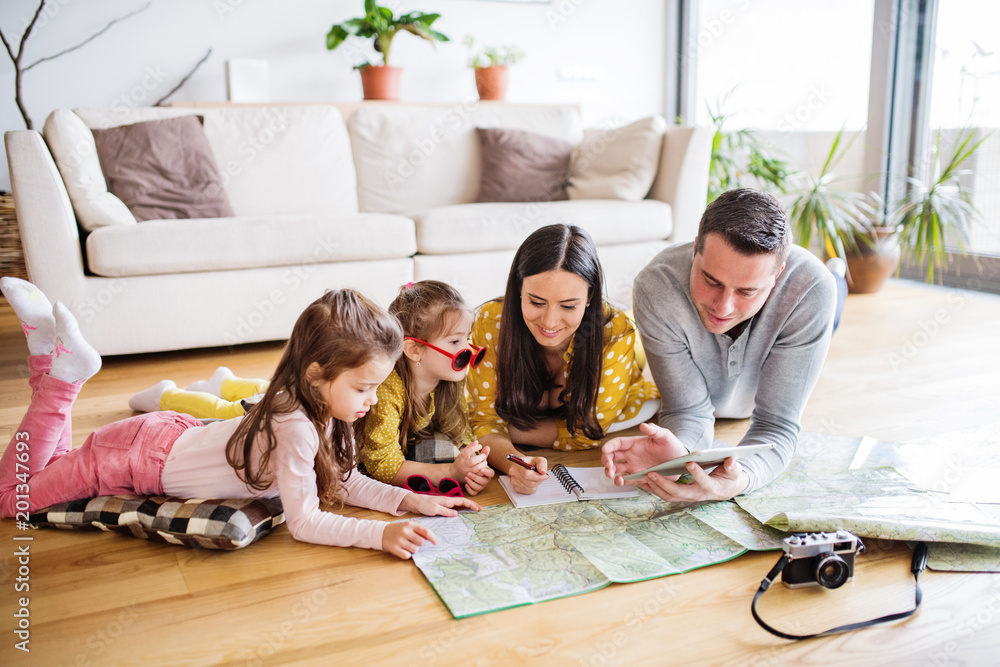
point(622, 388)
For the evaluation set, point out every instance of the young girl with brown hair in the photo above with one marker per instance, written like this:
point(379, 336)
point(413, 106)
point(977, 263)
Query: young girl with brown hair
point(298, 442)
point(424, 395)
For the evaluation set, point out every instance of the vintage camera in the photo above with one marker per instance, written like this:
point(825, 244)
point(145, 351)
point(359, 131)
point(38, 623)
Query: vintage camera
point(820, 559)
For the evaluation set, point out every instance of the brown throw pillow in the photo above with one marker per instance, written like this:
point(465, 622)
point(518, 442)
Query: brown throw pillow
point(522, 166)
point(163, 169)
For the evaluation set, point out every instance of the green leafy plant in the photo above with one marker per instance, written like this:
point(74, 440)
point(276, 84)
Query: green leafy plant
point(939, 209)
point(741, 159)
point(491, 56)
point(837, 217)
point(380, 23)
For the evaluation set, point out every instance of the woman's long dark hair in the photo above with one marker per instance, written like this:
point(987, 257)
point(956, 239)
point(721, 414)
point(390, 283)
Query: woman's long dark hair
point(341, 330)
point(522, 376)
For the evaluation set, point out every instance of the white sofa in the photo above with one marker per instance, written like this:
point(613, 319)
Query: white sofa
point(375, 201)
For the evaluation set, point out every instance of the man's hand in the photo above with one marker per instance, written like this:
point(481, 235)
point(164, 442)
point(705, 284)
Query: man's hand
point(623, 456)
point(726, 481)
point(626, 455)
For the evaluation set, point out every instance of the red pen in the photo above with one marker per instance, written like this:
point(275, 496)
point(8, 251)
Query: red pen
point(521, 462)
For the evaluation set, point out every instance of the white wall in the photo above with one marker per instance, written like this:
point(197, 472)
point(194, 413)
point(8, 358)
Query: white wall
point(619, 45)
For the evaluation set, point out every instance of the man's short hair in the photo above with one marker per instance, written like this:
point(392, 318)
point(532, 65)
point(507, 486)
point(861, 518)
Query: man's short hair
point(751, 221)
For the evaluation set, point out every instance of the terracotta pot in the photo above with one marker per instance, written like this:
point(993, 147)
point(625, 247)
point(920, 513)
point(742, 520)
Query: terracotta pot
point(491, 82)
point(869, 266)
point(380, 82)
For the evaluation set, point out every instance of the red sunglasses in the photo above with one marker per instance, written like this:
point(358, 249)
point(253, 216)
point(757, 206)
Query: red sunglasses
point(471, 355)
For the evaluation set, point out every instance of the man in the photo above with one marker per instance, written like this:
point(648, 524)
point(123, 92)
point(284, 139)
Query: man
point(736, 324)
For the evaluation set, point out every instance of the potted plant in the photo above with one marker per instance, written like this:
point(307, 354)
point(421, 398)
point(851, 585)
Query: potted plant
point(938, 209)
point(381, 82)
point(490, 65)
point(836, 217)
point(916, 225)
point(741, 159)
point(875, 253)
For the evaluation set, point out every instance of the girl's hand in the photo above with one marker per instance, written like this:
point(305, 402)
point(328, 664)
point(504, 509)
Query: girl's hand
point(477, 481)
point(471, 458)
point(479, 473)
point(527, 481)
point(403, 538)
point(435, 505)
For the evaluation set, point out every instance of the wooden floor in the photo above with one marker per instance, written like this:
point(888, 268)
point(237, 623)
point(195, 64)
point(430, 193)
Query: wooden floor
point(912, 363)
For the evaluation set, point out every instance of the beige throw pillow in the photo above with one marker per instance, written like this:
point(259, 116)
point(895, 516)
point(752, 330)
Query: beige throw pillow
point(618, 163)
point(72, 146)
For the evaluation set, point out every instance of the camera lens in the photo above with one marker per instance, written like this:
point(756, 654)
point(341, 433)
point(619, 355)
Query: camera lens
point(831, 571)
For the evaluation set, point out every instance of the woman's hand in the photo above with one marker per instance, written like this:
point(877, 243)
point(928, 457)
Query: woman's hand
point(435, 505)
point(527, 481)
point(403, 538)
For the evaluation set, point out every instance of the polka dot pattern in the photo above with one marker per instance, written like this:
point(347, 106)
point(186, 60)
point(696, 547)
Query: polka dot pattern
point(622, 388)
point(381, 452)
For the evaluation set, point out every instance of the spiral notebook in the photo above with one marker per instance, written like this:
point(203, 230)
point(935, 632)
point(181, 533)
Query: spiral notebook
point(568, 485)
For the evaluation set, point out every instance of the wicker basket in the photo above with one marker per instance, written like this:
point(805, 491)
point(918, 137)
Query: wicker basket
point(11, 252)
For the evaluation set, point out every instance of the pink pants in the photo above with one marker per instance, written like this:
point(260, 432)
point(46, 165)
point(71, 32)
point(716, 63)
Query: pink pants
point(125, 457)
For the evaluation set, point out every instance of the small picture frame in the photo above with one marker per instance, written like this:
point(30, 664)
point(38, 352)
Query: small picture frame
point(247, 81)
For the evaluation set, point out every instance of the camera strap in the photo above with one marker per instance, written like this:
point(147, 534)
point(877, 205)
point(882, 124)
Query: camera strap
point(917, 566)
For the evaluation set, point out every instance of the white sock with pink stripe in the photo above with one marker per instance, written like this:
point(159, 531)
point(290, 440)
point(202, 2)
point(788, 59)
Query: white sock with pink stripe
point(35, 313)
point(73, 359)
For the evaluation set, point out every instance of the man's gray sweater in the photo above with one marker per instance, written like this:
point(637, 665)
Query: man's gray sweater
point(766, 373)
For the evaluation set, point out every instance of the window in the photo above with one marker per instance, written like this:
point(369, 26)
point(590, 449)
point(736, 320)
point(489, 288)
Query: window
point(783, 69)
point(965, 93)
point(954, 86)
point(900, 72)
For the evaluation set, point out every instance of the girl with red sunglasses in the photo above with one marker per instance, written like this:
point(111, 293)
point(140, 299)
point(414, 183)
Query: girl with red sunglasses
point(424, 396)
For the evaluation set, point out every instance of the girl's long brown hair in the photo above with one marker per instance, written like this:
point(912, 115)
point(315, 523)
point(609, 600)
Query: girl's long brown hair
point(339, 331)
point(427, 309)
point(522, 376)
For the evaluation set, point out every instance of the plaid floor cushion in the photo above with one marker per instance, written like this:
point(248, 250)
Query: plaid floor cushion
point(209, 524)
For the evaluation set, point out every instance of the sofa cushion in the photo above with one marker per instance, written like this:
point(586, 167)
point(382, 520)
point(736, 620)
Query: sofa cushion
point(412, 158)
point(163, 169)
point(272, 160)
point(75, 153)
point(521, 166)
point(502, 226)
point(618, 163)
point(219, 244)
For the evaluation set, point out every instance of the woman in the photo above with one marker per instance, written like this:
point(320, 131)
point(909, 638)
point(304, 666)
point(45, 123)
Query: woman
point(560, 366)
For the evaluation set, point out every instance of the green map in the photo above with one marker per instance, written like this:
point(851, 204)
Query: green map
point(504, 556)
point(948, 557)
point(869, 502)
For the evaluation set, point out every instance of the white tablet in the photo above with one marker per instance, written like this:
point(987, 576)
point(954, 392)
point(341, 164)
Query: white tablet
point(705, 458)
